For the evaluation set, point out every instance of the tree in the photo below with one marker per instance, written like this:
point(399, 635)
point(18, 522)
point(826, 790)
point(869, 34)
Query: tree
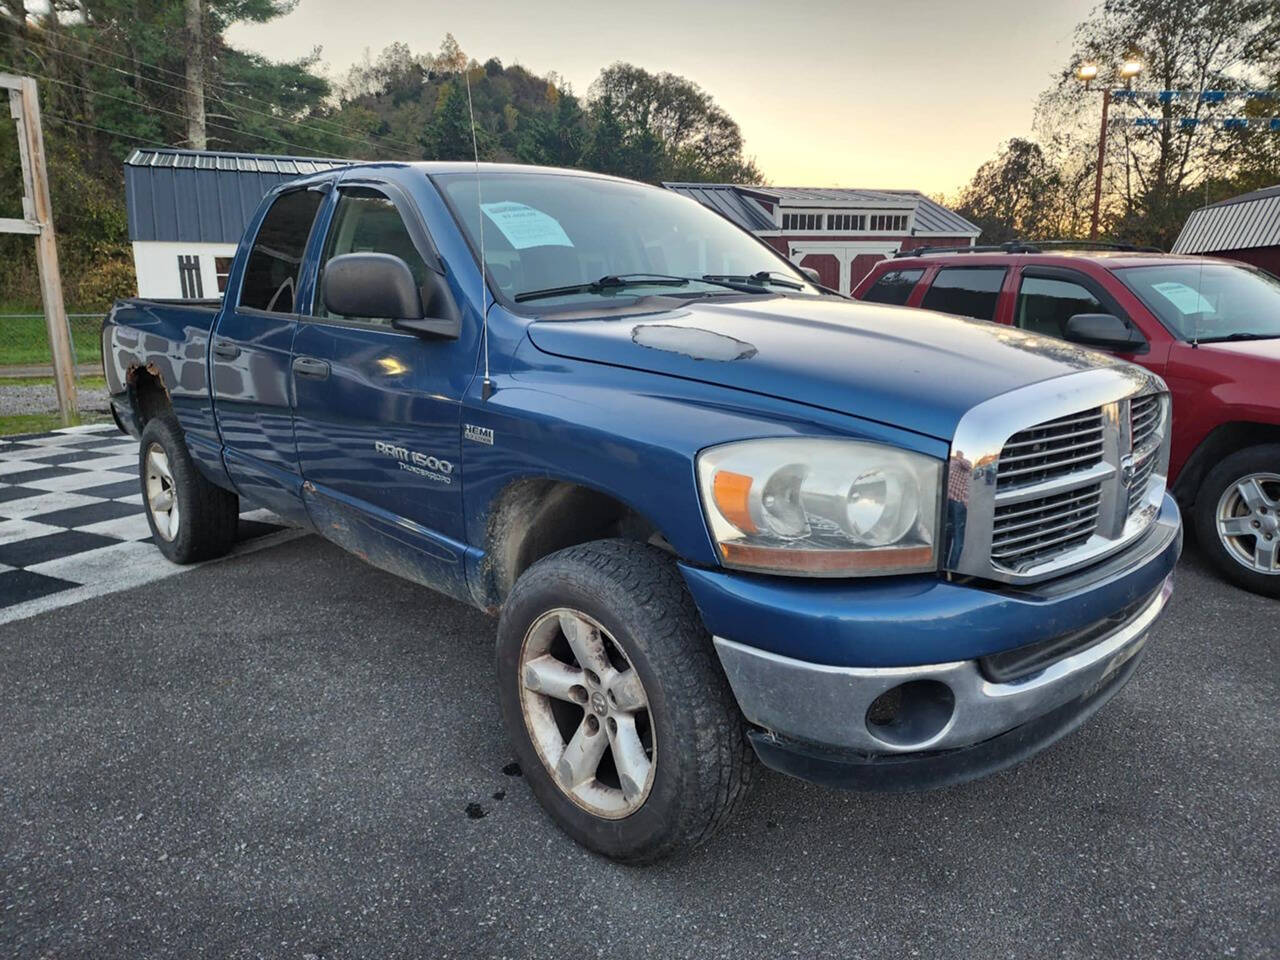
point(1016, 195)
point(1155, 175)
point(670, 128)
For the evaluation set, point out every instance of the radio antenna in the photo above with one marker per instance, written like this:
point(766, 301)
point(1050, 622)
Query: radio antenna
point(487, 390)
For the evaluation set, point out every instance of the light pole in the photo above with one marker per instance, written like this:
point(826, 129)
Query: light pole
point(1087, 72)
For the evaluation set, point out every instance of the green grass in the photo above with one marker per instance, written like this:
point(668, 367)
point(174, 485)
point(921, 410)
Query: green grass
point(40, 422)
point(83, 383)
point(24, 340)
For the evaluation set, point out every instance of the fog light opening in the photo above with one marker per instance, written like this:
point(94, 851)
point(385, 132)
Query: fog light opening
point(911, 713)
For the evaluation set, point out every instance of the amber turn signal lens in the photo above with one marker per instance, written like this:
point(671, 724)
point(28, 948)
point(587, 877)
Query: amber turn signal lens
point(732, 495)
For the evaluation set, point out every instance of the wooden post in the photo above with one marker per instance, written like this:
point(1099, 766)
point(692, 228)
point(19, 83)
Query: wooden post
point(37, 207)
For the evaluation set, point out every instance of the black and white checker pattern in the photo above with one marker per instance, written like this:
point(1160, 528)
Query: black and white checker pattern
point(72, 524)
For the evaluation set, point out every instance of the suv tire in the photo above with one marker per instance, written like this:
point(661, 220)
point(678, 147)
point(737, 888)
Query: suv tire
point(1237, 518)
point(637, 695)
point(191, 518)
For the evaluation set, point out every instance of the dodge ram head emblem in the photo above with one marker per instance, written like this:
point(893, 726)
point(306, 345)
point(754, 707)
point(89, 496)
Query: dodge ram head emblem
point(1126, 471)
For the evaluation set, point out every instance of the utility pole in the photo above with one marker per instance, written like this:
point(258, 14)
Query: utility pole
point(37, 219)
point(1097, 178)
point(197, 136)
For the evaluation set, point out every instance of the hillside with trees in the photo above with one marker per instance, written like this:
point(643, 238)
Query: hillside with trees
point(115, 75)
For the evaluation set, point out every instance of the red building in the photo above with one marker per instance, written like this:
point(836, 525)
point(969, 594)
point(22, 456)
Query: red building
point(840, 233)
point(1244, 228)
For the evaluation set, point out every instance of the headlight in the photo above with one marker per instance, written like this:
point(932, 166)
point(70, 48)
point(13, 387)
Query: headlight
point(821, 508)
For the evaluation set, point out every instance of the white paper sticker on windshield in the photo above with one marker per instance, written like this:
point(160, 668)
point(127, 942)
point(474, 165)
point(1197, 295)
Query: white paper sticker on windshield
point(526, 227)
point(1186, 299)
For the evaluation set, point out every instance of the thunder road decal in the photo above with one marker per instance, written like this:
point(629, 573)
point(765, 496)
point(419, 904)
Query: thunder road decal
point(424, 465)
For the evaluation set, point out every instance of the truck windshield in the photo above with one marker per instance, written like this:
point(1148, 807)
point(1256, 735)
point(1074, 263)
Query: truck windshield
point(561, 240)
point(1209, 302)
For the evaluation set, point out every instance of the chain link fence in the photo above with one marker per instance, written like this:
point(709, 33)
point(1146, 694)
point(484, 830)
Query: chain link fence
point(28, 400)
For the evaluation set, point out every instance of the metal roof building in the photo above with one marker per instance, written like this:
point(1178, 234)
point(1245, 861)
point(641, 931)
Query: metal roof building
point(1245, 228)
point(839, 232)
point(188, 209)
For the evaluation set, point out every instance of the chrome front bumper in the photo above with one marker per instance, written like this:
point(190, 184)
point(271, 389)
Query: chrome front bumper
point(828, 706)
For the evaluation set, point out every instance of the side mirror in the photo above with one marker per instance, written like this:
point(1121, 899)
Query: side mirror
point(812, 274)
point(1105, 331)
point(381, 285)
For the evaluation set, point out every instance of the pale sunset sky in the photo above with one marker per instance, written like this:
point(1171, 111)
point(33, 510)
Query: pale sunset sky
point(885, 94)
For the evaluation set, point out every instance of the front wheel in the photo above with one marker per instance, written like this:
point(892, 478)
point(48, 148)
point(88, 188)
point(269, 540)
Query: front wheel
point(616, 705)
point(1237, 516)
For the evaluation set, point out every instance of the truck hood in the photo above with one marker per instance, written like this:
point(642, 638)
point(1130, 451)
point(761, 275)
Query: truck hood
point(912, 369)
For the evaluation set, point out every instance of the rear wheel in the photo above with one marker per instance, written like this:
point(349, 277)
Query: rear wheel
point(1237, 516)
point(615, 703)
point(191, 519)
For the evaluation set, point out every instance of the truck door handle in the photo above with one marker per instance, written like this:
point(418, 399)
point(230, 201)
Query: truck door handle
point(225, 350)
point(310, 367)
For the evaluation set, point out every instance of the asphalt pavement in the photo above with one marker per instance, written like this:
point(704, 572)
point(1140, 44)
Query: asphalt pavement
point(290, 754)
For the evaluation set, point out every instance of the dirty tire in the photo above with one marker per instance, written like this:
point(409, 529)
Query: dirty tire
point(704, 765)
point(208, 515)
point(1261, 459)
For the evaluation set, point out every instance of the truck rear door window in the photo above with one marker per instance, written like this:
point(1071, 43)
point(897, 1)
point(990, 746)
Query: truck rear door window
point(275, 262)
point(966, 291)
point(894, 287)
point(1045, 305)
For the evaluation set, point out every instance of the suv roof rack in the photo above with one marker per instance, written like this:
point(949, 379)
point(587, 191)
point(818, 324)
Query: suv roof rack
point(1013, 246)
point(1098, 245)
point(1031, 246)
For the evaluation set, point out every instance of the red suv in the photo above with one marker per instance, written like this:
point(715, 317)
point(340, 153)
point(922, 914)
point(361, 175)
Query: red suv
point(1210, 328)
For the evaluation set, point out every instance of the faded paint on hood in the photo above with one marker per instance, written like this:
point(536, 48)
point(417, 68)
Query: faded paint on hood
point(909, 368)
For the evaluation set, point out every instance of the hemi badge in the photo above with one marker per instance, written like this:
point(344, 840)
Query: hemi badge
point(477, 434)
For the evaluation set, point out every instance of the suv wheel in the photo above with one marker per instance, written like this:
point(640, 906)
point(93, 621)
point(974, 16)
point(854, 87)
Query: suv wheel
point(617, 707)
point(191, 519)
point(1237, 515)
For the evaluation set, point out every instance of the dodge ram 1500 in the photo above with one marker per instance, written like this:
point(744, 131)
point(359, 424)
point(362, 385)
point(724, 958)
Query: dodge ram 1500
point(725, 516)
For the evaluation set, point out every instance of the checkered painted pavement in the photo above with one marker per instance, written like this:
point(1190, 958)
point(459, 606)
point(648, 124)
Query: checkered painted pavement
point(72, 524)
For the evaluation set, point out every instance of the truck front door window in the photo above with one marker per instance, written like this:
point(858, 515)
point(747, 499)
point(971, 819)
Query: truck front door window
point(966, 291)
point(366, 221)
point(275, 262)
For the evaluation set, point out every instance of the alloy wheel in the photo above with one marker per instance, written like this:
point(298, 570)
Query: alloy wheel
point(162, 493)
point(1248, 522)
point(587, 713)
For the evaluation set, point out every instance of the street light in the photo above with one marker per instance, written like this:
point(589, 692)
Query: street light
point(1087, 72)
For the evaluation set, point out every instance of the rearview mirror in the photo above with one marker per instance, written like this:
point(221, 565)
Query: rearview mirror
point(382, 286)
point(812, 274)
point(1105, 331)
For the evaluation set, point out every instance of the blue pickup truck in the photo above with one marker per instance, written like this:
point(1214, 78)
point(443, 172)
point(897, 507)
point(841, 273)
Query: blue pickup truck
point(725, 517)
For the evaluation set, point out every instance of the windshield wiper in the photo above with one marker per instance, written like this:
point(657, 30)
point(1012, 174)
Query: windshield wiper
point(761, 277)
point(607, 282)
point(1238, 336)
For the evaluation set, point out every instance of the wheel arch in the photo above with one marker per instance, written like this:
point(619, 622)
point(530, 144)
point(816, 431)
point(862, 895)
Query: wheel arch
point(532, 517)
point(1222, 441)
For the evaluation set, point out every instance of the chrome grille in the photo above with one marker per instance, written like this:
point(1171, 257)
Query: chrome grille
point(1034, 530)
point(1032, 497)
point(1051, 449)
point(1144, 417)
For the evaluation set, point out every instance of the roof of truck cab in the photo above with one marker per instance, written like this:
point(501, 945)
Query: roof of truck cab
point(209, 196)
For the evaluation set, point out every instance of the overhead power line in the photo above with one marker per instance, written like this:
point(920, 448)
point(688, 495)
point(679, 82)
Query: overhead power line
point(313, 125)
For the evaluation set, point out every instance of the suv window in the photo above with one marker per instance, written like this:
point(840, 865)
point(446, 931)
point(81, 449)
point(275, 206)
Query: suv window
point(1045, 305)
point(271, 275)
point(966, 291)
point(894, 287)
point(366, 221)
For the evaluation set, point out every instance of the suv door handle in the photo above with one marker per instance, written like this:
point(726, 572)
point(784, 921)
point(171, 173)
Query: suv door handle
point(310, 367)
point(225, 350)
